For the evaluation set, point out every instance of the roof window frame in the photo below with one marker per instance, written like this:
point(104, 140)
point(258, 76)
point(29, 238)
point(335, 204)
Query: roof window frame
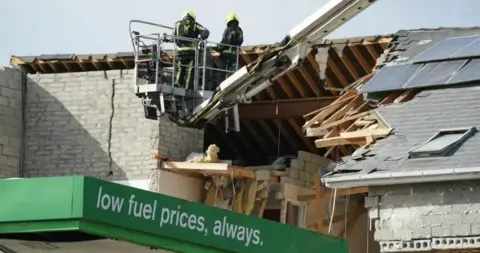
point(467, 133)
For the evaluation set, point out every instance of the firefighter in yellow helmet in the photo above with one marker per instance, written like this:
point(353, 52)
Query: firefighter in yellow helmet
point(229, 47)
point(185, 50)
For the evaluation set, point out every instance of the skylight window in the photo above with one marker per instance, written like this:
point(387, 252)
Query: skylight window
point(442, 143)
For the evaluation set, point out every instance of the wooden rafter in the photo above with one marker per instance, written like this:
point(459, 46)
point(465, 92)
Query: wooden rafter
point(349, 66)
point(293, 79)
point(360, 59)
point(336, 69)
point(258, 138)
point(311, 83)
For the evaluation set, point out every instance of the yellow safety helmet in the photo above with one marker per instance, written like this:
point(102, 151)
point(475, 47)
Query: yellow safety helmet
point(190, 14)
point(230, 17)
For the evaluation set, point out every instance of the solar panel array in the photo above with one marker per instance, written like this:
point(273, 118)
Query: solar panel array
point(450, 48)
point(435, 73)
point(390, 78)
point(468, 73)
point(442, 64)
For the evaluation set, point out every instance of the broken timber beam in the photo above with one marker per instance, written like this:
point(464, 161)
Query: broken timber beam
point(325, 127)
point(326, 111)
point(376, 133)
point(219, 169)
point(338, 140)
point(195, 166)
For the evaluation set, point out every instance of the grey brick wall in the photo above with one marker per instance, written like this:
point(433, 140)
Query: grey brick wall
point(91, 123)
point(10, 122)
point(426, 211)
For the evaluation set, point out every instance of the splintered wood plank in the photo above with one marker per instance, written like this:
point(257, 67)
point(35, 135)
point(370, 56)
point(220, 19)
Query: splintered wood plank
point(326, 111)
point(362, 123)
point(356, 102)
point(338, 122)
point(195, 169)
point(335, 141)
point(195, 166)
point(364, 107)
point(367, 132)
point(314, 132)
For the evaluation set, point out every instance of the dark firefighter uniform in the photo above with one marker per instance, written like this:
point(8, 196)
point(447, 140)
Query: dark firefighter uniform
point(185, 51)
point(233, 35)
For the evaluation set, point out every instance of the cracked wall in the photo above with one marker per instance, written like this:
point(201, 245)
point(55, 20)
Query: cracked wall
point(91, 123)
point(426, 216)
point(10, 122)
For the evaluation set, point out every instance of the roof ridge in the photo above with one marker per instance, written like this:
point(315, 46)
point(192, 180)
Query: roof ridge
point(442, 28)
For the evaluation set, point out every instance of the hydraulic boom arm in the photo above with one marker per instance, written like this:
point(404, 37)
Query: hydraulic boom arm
point(260, 74)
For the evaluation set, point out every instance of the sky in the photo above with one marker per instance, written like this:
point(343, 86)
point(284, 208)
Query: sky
point(35, 27)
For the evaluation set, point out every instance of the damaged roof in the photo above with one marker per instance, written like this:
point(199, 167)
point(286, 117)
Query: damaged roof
point(434, 109)
point(271, 126)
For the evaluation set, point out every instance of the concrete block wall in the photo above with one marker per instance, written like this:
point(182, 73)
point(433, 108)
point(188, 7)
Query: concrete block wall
point(91, 123)
point(10, 122)
point(303, 169)
point(426, 216)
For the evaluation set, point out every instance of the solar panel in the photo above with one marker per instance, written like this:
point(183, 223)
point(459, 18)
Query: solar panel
point(471, 50)
point(390, 78)
point(468, 73)
point(444, 49)
point(435, 73)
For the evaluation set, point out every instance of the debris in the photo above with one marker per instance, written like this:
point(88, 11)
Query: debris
point(211, 157)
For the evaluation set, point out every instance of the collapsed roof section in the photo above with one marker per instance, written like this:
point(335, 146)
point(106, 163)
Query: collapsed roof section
point(272, 124)
point(433, 137)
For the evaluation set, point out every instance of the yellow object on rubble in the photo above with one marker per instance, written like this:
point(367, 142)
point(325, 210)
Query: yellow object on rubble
point(244, 200)
point(238, 201)
point(211, 157)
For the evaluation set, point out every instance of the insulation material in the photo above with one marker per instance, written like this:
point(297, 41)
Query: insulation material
point(244, 200)
point(194, 156)
point(238, 201)
point(222, 190)
point(211, 155)
point(249, 195)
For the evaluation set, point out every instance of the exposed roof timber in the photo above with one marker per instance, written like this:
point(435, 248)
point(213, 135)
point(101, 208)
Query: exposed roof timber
point(341, 117)
point(282, 108)
point(124, 60)
point(280, 134)
point(347, 68)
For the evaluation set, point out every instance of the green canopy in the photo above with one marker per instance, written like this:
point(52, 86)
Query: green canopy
point(124, 213)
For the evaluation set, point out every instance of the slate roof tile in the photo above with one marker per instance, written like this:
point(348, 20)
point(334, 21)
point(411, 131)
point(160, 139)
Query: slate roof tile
point(419, 119)
point(416, 121)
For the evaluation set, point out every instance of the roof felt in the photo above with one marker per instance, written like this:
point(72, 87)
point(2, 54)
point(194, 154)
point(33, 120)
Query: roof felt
point(414, 122)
